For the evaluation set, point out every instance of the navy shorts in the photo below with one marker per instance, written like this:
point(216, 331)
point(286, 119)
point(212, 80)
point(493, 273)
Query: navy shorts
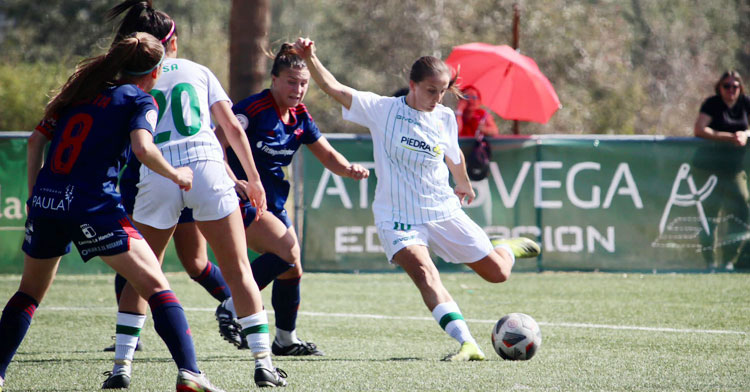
point(101, 234)
point(128, 191)
point(249, 212)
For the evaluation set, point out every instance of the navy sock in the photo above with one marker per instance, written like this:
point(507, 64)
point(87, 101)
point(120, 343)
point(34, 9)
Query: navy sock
point(119, 286)
point(13, 326)
point(213, 281)
point(285, 299)
point(267, 267)
point(170, 323)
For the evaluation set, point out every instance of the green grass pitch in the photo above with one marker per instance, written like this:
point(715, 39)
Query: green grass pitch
point(601, 332)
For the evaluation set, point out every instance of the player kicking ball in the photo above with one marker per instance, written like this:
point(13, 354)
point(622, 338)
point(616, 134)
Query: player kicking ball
point(415, 141)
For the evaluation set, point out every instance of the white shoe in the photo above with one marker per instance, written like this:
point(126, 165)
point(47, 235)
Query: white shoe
point(188, 381)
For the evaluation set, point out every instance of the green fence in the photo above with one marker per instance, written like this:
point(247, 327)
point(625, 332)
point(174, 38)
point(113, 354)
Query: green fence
point(594, 203)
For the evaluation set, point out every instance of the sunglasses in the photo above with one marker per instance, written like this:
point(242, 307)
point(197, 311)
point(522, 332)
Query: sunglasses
point(729, 86)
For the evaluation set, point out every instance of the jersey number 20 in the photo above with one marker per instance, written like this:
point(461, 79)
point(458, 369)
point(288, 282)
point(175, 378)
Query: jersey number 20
point(187, 122)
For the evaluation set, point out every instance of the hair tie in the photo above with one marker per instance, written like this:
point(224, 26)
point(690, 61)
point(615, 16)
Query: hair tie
point(169, 35)
point(139, 73)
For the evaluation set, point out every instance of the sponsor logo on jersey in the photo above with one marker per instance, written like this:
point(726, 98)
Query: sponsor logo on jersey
point(49, 203)
point(271, 151)
point(407, 119)
point(420, 146)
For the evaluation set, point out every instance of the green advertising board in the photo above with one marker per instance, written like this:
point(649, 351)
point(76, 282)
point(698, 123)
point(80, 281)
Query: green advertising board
point(594, 203)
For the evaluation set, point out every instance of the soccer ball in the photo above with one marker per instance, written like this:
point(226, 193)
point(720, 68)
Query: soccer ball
point(516, 336)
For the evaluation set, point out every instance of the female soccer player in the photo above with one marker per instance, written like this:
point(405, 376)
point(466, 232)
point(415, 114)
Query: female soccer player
point(188, 94)
point(415, 207)
point(277, 124)
point(191, 249)
point(73, 198)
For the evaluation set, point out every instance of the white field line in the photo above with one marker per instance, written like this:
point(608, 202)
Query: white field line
point(422, 318)
point(12, 228)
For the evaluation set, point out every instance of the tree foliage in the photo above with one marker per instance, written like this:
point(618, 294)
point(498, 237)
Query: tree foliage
point(619, 67)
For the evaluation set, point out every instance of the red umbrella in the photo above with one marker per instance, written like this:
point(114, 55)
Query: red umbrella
point(510, 83)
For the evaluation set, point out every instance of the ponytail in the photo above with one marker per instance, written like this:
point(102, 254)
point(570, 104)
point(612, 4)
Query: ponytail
point(131, 56)
point(286, 58)
point(140, 15)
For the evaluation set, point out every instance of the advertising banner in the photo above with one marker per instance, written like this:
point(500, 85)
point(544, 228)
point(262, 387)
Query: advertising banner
point(594, 203)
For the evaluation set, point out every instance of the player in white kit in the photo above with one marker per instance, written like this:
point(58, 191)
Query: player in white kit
point(187, 96)
point(415, 206)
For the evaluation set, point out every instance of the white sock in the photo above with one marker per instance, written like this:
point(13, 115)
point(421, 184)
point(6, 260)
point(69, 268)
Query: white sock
point(449, 317)
point(286, 338)
point(507, 249)
point(229, 304)
point(255, 331)
point(127, 333)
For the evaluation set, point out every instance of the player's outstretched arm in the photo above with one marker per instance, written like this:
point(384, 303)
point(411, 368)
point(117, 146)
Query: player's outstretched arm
point(146, 151)
point(335, 162)
point(236, 138)
point(323, 78)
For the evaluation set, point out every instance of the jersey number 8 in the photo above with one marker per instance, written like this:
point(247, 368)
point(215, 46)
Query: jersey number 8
point(70, 144)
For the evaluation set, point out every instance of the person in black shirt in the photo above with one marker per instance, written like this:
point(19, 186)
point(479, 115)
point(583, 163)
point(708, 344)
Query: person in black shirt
point(723, 118)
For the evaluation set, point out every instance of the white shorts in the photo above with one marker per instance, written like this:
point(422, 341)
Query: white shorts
point(160, 201)
point(457, 240)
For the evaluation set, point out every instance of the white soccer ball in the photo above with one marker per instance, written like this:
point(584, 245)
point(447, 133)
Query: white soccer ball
point(516, 336)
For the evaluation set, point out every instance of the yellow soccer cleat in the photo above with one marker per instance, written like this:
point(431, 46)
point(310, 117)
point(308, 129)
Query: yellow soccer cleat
point(522, 247)
point(469, 352)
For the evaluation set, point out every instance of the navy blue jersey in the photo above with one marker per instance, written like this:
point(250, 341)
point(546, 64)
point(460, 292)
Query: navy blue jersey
point(273, 142)
point(88, 142)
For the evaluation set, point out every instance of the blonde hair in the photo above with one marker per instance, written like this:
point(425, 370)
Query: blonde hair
point(133, 54)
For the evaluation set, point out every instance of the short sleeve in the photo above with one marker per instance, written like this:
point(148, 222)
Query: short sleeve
point(312, 133)
point(146, 113)
point(46, 127)
point(366, 108)
point(216, 93)
point(708, 107)
point(452, 151)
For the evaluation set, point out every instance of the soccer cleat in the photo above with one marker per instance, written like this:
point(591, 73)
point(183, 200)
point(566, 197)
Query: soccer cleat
point(118, 380)
point(188, 381)
point(469, 352)
point(522, 247)
point(138, 346)
point(228, 328)
point(270, 377)
point(297, 349)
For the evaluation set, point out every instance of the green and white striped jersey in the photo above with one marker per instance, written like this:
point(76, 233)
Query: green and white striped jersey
point(409, 147)
point(185, 93)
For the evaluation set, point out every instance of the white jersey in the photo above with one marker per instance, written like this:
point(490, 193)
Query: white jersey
point(185, 93)
point(410, 148)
